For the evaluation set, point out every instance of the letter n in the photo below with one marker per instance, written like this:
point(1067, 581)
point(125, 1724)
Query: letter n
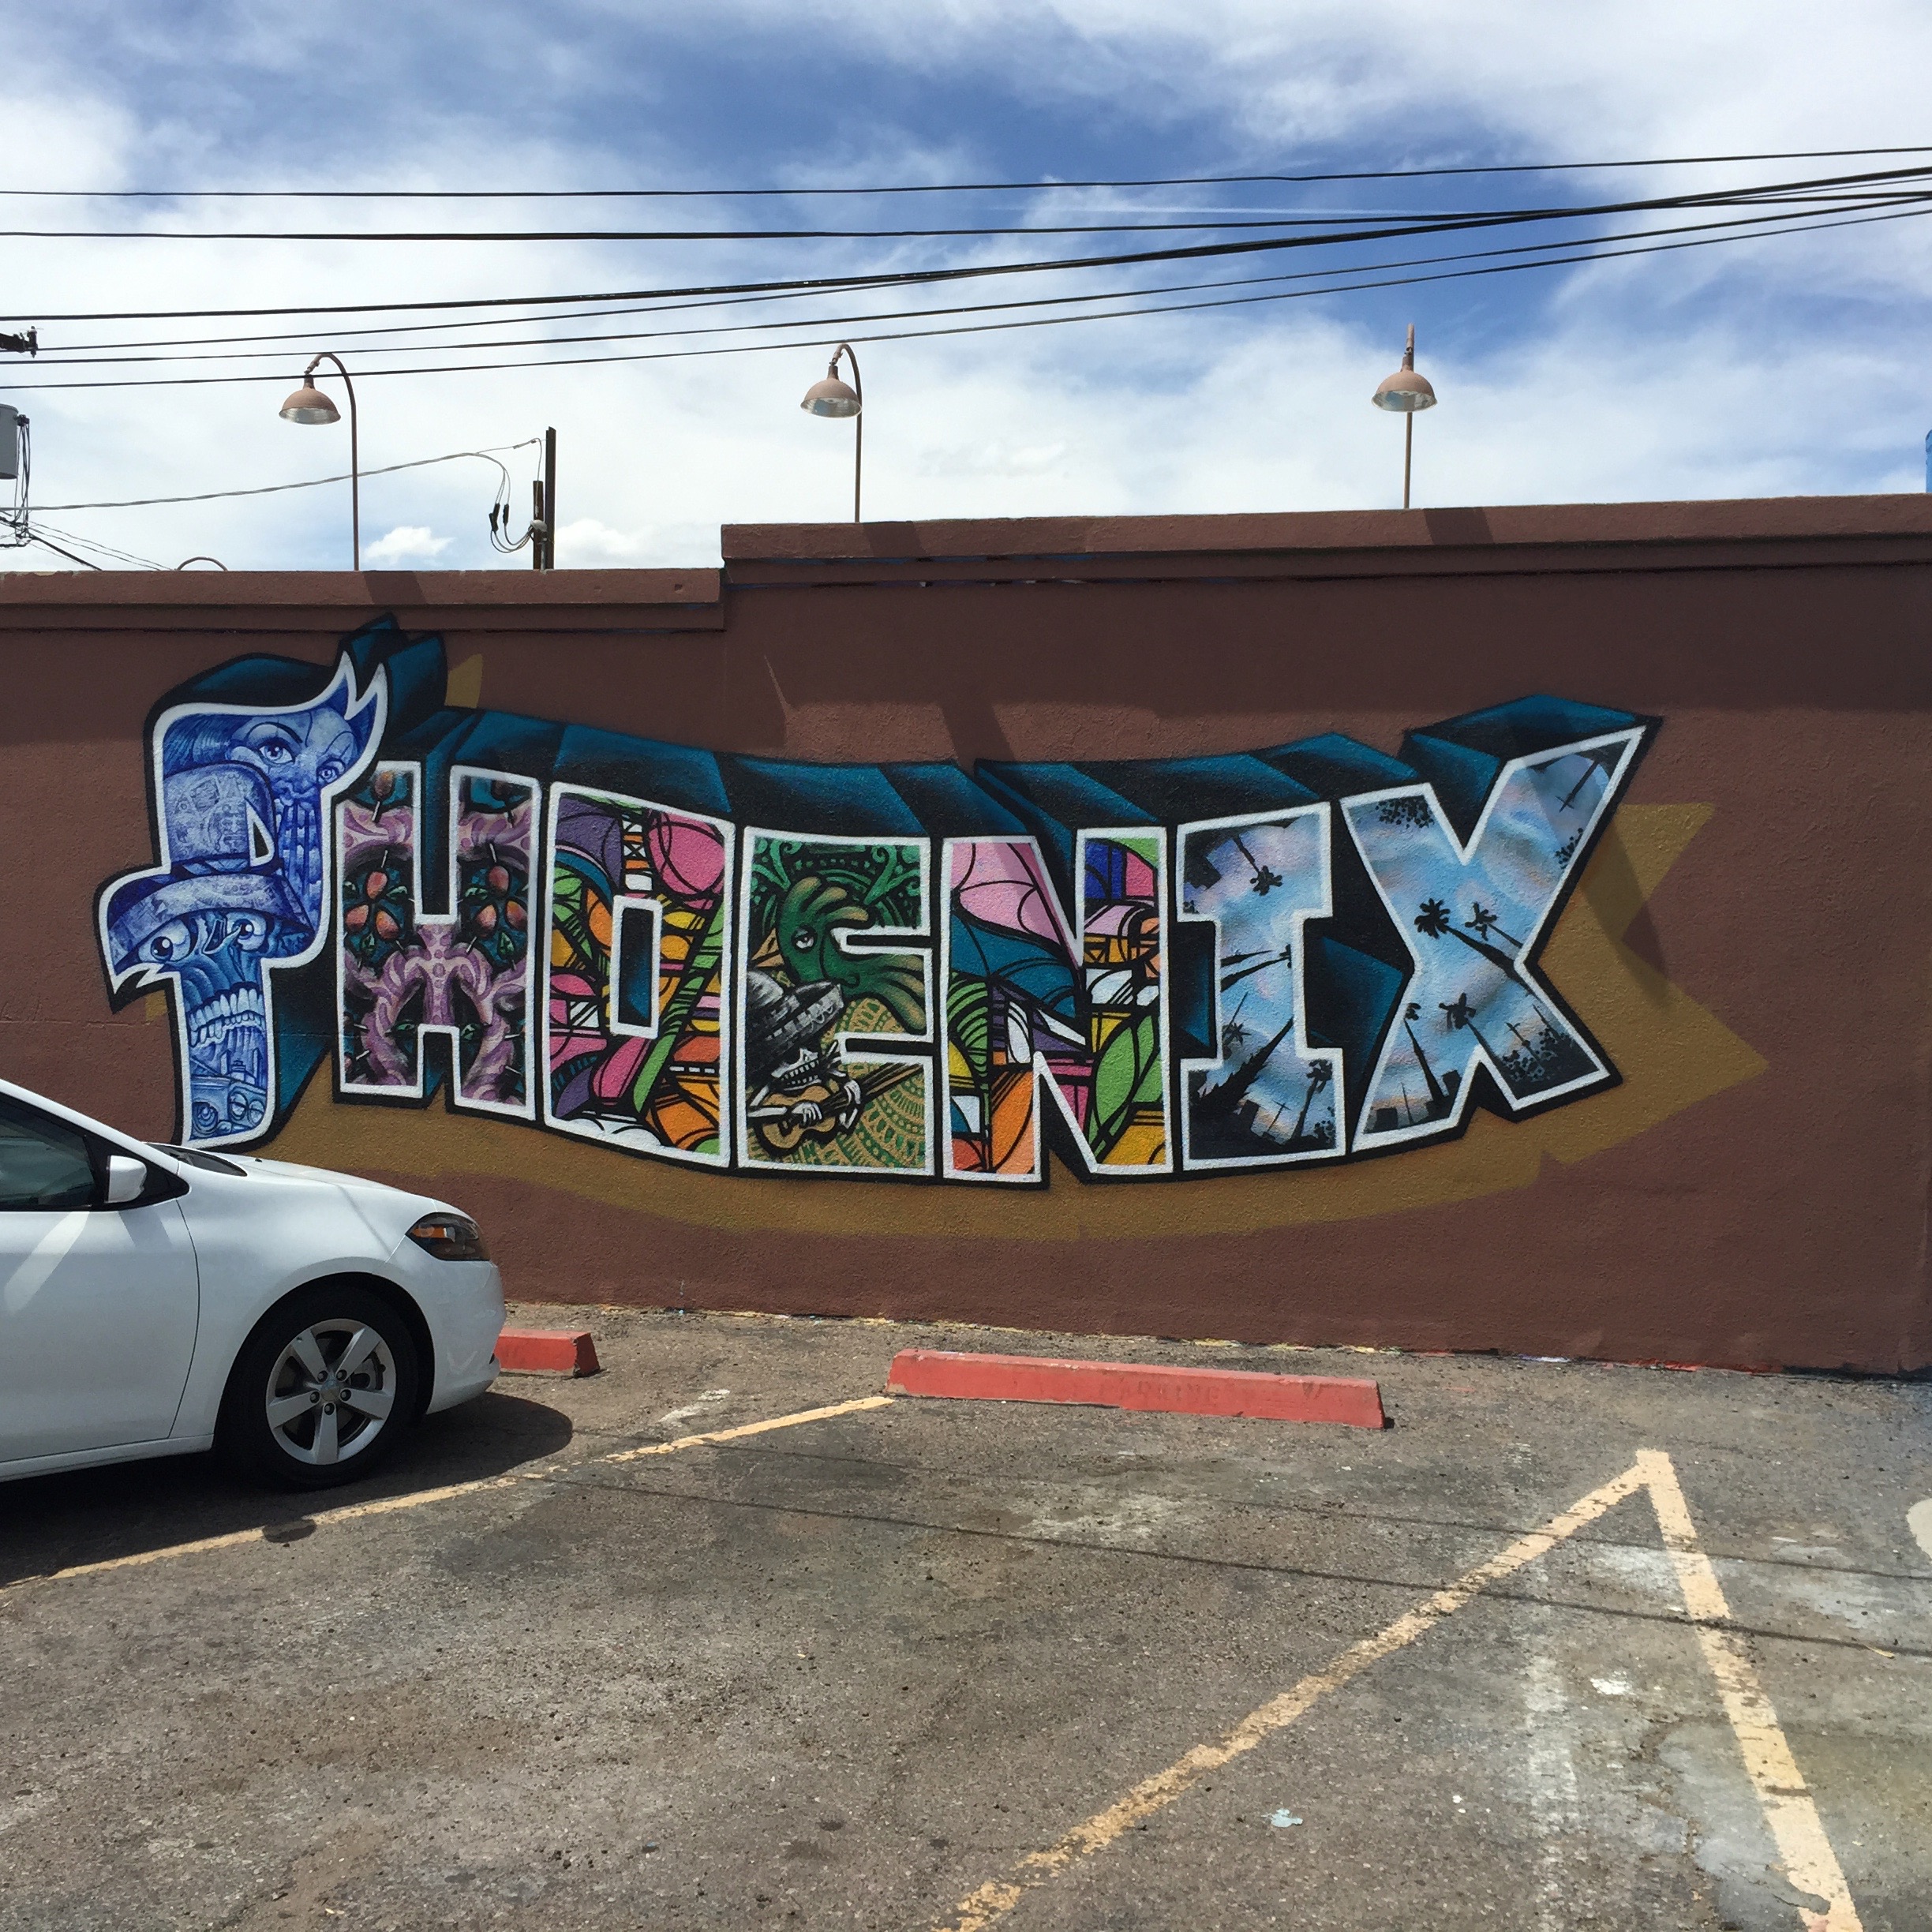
point(1032, 1006)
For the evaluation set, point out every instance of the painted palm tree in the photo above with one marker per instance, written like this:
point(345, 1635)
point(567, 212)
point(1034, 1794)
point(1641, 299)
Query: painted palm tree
point(1320, 1073)
point(1266, 878)
point(1411, 1013)
point(1434, 920)
point(1262, 962)
point(1221, 1100)
point(1483, 922)
point(1232, 1032)
point(1458, 1013)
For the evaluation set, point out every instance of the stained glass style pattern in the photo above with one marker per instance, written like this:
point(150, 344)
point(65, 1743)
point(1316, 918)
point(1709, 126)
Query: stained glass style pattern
point(1025, 1000)
point(634, 1034)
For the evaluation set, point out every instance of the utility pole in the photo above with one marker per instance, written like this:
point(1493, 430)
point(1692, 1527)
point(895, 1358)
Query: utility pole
point(550, 516)
point(543, 510)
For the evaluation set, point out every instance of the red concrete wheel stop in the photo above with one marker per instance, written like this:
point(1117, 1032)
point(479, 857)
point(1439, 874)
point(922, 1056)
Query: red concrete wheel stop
point(1138, 1385)
point(547, 1351)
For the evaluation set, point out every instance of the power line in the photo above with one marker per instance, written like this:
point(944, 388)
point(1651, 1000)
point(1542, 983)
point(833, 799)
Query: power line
point(76, 359)
point(34, 537)
point(661, 355)
point(913, 277)
point(780, 292)
point(424, 328)
point(88, 543)
point(1448, 218)
point(269, 489)
point(918, 188)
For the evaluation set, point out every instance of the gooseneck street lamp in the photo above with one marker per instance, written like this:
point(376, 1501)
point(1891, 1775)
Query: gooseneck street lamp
point(834, 398)
point(309, 404)
point(1407, 392)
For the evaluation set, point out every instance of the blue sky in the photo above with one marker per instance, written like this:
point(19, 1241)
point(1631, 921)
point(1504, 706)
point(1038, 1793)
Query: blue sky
point(1773, 367)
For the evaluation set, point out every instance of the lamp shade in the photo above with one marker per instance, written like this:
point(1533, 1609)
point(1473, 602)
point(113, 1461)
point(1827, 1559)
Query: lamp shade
point(830, 397)
point(1405, 390)
point(309, 404)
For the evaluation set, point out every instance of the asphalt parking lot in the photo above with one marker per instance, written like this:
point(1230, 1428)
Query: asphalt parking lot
point(926, 1665)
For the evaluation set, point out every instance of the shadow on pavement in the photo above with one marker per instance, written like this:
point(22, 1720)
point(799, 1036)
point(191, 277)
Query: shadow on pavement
point(93, 1515)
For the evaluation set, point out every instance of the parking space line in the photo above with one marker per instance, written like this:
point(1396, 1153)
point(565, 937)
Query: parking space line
point(750, 1428)
point(995, 1899)
point(417, 1498)
point(1810, 1864)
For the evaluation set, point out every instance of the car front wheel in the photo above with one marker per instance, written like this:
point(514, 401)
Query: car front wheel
point(322, 1389)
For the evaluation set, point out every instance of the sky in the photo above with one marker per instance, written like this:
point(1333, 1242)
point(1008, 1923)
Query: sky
point(1770, 367)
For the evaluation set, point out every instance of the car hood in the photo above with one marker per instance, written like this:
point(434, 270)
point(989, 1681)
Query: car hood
point(294, 1170)
point(375, 1199)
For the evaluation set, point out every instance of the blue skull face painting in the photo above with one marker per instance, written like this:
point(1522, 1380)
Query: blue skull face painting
point(242, 795)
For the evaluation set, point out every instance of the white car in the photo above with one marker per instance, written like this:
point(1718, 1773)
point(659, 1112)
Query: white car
point(155, 1301)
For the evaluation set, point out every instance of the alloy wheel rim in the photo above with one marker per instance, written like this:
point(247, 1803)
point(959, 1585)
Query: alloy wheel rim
point(330, 1392)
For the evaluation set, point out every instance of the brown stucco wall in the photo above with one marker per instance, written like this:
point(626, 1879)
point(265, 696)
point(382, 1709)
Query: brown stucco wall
point(1751, 945)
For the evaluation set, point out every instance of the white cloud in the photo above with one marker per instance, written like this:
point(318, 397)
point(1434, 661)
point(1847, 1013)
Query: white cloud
point(405, 542)
point(586, 542)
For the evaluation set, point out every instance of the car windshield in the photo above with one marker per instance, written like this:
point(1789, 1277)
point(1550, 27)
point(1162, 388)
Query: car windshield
point(194, 1157)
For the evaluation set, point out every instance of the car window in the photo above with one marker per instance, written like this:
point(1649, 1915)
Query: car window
point(43, 1163)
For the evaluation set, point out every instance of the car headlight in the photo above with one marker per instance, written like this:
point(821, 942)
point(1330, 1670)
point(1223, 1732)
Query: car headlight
point(450, 1237)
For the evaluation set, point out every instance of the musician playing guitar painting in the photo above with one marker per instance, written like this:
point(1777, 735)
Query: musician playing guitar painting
point(795, 1079)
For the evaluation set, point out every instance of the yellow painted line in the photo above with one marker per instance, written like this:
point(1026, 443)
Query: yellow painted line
point(386, 1506)
point(995, 1899)
point(234, 1541)
point(751, 1429)
point(1811, 1866)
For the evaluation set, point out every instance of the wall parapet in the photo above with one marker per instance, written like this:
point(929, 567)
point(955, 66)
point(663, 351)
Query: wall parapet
point(332, 602)
point(1773, 532)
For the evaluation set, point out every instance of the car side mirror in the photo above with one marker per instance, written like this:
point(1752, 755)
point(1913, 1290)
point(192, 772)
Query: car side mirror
point(127, 1179)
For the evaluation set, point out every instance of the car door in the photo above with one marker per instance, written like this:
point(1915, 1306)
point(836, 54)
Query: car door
point(98, 1305)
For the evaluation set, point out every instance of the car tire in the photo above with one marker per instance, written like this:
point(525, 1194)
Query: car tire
point(323, 1389)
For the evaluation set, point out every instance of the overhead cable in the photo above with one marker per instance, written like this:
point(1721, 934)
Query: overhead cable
point(917, 188)
point(903, 278)
point(269, 489)
point(82, 356)
point(980, 328)
point(1452, 218)
point(814, 292)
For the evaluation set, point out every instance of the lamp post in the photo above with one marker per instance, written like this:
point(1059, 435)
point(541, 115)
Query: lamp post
point(834, 398)
point(1407, 392)
point(309, 404)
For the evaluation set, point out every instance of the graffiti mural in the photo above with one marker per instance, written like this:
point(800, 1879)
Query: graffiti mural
point(241, 796)
point(1028, 1006)
point(406, 973)
point(1470, 915)
point(816, 977)
point(1147, 969)
point(634, 1024)
point(1266, 1096)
